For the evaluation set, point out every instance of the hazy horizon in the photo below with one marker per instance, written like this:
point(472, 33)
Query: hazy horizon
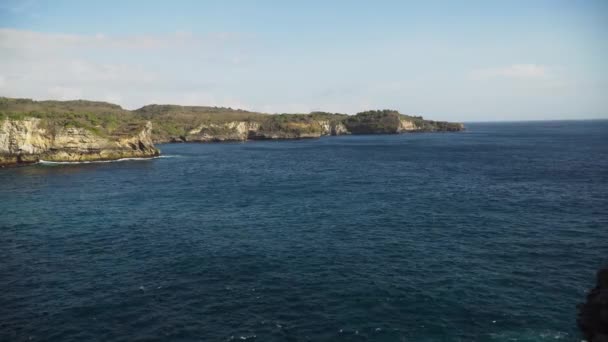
point(471, 62)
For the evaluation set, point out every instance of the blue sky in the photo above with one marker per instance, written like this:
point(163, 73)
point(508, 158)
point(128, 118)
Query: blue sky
point(454, 60)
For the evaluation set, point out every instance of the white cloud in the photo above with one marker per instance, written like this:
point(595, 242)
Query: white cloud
point(32, 40)
point(130, 70)
point(515, 71)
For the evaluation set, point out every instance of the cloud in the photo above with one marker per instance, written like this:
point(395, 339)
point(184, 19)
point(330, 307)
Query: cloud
point(515, 71)
point(32, 40)
point(129, 69)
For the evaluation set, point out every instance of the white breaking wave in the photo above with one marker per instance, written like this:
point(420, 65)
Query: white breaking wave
point(46, 162)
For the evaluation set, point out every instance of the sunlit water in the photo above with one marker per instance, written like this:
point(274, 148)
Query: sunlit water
point(490, 234)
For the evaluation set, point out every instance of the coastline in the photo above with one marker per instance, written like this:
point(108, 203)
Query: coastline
point(83, 131)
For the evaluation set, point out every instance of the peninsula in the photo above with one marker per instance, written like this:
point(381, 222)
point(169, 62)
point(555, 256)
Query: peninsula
point(74, 131)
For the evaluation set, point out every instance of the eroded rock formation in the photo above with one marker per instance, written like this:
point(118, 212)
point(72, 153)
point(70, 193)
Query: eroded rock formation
point(30, 140)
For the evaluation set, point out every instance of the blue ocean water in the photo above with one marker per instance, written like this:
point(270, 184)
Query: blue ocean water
point(493, 234)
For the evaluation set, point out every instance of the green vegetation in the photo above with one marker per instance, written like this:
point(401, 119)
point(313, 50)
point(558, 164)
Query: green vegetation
point(374, 121)
point(331, 117)
point(99, 117)
point(438, 126)
point(177, 121)
point(172, 122)
point(290, 123)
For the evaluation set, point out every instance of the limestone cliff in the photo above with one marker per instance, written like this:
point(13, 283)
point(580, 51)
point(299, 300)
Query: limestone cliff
point(264, 130)
point(217, 132)
point(91, 130)
point(300, 127)
point(30, 140)
point(332, 127)
point(393, 122)
point(406, 126)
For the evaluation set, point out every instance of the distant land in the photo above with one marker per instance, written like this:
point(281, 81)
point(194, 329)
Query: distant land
point(75, 131)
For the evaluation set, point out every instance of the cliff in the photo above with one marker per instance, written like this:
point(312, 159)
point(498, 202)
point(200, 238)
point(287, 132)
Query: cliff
point(30, 140)
point(28, 137)
point(87, 130)
point(213, 124)
point(393, 122)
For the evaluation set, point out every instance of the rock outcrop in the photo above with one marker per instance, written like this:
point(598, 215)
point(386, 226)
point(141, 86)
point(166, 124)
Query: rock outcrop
point(251, 130)
point(30, 140)
point(593, 314)
point(406, 126)
point(332, 127)
point(229, 131)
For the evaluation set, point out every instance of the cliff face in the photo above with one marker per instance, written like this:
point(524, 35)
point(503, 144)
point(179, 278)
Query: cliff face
point(393, 122)
point(280, 127)
point(265, 130)
point(251, 130)
point(229, 131)
point(406, 126)
point(30, 140)
point(88, 130)
point(332, 127)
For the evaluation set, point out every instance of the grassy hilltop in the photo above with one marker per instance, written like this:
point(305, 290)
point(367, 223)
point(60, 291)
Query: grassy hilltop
point(102, 118)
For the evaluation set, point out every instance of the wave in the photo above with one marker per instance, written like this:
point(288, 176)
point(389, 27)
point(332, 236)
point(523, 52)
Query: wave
point(46, 162)
point(530, 335)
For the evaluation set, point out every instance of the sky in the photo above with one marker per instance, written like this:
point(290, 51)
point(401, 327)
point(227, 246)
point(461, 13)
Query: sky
point(446, 60)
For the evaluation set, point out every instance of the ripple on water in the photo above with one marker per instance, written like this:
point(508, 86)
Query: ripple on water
point(483, 236)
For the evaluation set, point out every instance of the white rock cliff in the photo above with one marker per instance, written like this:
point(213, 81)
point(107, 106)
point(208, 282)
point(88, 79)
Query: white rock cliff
point(31, 140)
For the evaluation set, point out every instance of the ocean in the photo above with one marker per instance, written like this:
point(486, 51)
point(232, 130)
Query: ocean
point(492, 234)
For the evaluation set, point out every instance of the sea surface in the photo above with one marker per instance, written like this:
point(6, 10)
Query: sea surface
point(493, 234)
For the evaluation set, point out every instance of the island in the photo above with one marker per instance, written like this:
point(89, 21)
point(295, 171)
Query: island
point(76, 131)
